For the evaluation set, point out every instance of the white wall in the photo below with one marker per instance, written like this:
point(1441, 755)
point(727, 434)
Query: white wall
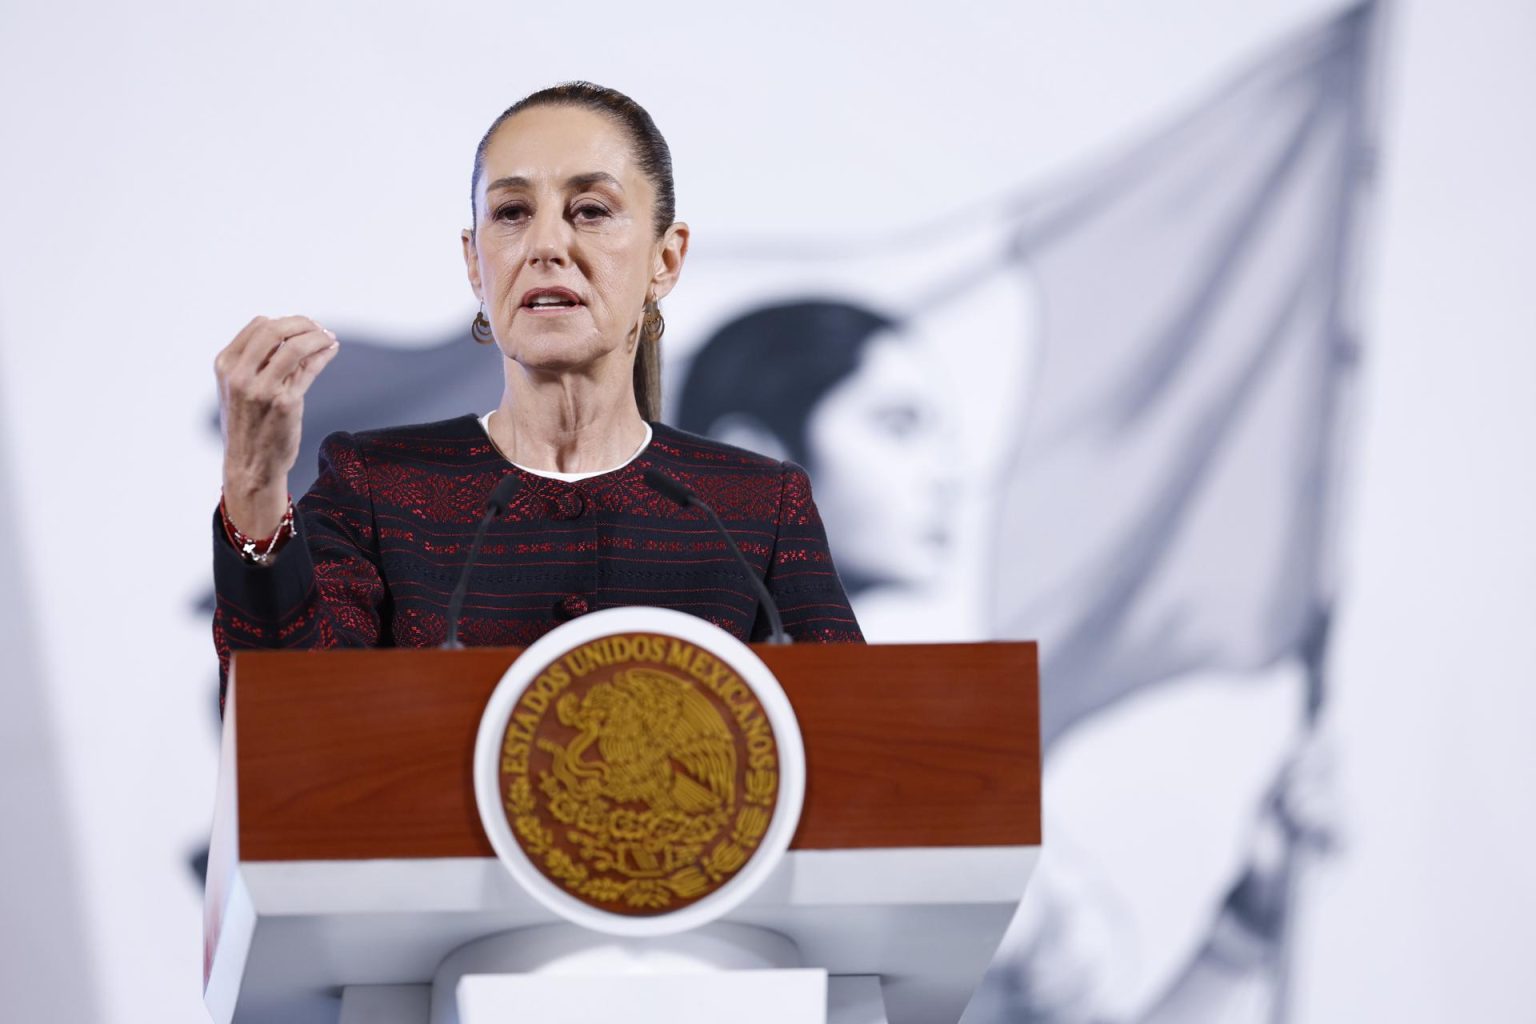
point(1432, 913)
point(169, 173)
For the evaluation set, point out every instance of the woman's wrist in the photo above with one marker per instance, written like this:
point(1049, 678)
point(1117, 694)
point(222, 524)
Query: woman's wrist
point(255, 508)
point(258, 549)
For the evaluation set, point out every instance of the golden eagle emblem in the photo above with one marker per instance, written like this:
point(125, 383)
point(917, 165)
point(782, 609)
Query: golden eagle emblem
point(635, 794)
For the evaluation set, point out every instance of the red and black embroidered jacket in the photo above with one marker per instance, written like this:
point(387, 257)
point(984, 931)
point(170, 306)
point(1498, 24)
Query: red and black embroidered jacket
point(383, 533)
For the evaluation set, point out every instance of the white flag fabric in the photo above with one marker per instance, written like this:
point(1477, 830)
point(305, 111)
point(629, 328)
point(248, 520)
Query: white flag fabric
point(1167, 506)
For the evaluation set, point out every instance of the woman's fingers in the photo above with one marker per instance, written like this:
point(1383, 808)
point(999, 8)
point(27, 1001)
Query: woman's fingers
point(263, 375)
point(229, 356)
point(254, 347)
point(274, 377)
point(257, 366)
point(263, 331)
point(310, 368)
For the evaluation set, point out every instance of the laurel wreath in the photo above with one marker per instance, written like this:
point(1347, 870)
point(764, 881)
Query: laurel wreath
point(596, 824)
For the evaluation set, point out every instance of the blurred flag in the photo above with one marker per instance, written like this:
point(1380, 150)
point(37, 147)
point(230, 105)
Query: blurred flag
point(1167, 505)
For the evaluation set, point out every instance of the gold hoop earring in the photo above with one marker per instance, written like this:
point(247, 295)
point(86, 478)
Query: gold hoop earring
point(654, 324)
point(480, 330)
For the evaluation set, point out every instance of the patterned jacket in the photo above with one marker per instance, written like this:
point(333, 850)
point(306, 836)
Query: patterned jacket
point(383, 533)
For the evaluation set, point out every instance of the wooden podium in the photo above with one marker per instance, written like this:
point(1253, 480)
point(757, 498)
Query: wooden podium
point(348, 860)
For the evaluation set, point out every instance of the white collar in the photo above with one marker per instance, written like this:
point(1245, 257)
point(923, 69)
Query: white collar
point(551, 474)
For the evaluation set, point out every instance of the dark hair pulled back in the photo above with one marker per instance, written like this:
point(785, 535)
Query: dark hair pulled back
point(651, 150)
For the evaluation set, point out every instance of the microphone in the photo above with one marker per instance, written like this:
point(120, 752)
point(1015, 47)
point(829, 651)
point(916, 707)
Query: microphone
point(670, 488)
point(495, 505)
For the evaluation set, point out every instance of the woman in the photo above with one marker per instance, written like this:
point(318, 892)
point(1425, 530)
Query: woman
point(572, 246)
point(836, 388)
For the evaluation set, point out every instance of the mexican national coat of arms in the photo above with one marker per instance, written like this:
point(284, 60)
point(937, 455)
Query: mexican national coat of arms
point(637, 771)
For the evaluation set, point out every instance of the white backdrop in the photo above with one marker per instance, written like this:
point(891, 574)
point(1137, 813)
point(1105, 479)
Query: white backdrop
point(170, 172)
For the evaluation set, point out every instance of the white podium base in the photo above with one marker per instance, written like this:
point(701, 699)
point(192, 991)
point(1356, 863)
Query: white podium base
point(924, 921)
point(794, 996)
point(855, 999)
point(566, 965)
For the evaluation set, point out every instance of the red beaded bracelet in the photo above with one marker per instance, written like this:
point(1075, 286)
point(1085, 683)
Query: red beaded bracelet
point(258, 552)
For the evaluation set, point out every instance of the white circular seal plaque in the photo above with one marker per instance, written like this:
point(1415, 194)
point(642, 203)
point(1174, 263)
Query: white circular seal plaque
point(639, 771)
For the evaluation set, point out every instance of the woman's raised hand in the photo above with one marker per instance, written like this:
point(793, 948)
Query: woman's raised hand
point(263, 375)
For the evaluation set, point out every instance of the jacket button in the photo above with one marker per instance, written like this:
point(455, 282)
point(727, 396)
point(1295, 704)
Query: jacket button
point(570, 606)
point(568, 504)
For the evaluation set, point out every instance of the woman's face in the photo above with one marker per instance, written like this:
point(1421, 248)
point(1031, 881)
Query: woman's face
point(875, 447)
point(565, 254)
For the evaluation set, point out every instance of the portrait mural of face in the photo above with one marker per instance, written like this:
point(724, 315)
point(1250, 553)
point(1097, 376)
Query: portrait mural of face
point(839, 389)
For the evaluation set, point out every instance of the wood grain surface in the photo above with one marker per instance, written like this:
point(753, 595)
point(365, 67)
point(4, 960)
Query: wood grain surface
point(367, 754)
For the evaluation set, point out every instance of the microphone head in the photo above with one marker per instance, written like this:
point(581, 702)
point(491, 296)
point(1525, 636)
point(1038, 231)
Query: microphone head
point(501, 494)
point(667, 487)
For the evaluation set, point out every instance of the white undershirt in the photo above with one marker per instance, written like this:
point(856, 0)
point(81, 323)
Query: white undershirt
point(552, 474)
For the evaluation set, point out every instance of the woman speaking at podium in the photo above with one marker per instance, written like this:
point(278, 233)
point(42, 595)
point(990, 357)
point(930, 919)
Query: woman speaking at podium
point(571, 247)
